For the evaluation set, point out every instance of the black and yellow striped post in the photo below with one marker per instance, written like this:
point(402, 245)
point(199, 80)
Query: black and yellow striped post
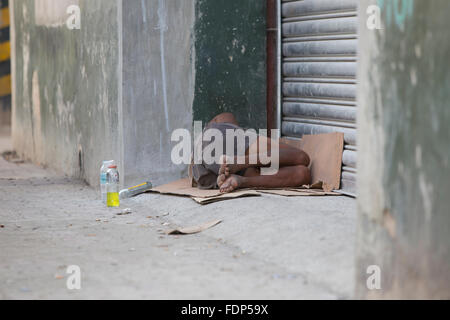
point(5, 65)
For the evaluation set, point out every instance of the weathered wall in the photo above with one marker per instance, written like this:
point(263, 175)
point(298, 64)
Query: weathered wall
point(158, 85)
point(230, 45)
point(119, 87)
point(404, 150)
point(65, 85)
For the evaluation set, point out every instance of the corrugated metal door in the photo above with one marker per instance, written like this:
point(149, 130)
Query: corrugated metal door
point(319, 43)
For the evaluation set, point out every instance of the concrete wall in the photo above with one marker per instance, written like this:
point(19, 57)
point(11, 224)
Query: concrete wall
point(65, 85)
point(186, 60)
point(404, 150)
point(115, 89)
point(119, 87)
point(158, 85)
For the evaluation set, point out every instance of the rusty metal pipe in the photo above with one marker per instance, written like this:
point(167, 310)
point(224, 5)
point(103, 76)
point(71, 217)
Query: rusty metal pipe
point(271, 63)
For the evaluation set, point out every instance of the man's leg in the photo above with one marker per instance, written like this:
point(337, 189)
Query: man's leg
point(292, 176)
point(288, 157)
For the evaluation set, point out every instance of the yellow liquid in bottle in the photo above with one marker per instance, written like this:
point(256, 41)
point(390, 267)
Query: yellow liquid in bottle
point(112, 199)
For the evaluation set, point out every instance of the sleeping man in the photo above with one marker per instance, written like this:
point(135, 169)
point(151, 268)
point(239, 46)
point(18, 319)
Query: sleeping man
point(248, 162)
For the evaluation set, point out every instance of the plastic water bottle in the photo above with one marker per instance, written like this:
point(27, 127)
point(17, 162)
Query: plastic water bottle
point(112, 187)
point(103, 178)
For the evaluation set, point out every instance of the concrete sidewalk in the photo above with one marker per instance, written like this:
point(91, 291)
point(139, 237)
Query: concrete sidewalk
point(266, 248)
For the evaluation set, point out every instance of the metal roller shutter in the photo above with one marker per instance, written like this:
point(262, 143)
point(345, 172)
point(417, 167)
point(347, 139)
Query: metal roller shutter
point(319, 43)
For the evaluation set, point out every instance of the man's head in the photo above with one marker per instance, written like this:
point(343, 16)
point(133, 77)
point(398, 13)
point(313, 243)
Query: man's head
point(225, 118)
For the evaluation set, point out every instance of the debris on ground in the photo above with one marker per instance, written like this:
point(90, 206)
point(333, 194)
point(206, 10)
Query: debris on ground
point(13, 157)
point(161, 216)
point(195, 229)
point(124, 212)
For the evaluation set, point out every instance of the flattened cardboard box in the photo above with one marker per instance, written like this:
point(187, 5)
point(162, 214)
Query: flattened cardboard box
point(325, 152)
point(183, 188)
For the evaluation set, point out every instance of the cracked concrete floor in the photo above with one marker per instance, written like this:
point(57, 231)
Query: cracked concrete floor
point(266, 248)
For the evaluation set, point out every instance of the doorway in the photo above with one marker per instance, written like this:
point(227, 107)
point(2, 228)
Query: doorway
point(317, 59)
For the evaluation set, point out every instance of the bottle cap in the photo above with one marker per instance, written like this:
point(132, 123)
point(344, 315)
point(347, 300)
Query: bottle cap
point(113, 166)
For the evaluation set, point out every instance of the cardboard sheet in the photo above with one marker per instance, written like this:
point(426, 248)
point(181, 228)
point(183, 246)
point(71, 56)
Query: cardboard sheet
point(227, 196)
point(183, 188)
point(195, 229)
point(299, 192)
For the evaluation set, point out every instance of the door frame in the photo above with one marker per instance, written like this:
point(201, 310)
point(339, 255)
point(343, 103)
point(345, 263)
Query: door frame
point(274, 57)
